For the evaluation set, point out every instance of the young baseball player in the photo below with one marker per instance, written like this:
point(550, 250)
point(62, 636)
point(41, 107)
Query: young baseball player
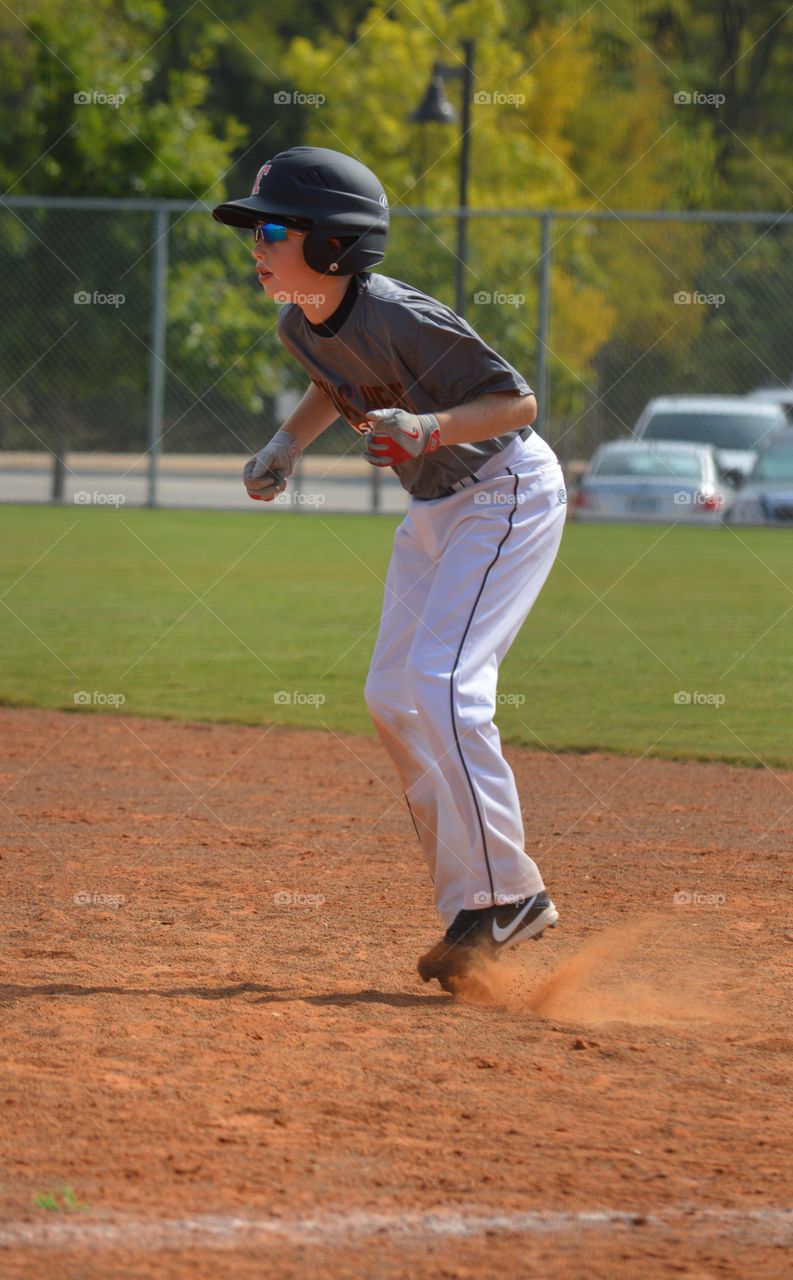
point(452, 419)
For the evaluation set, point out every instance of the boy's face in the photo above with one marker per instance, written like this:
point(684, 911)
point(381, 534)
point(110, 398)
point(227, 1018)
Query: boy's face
point(283, 271)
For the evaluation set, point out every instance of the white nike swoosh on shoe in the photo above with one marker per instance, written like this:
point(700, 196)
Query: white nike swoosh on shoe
point(501, 935)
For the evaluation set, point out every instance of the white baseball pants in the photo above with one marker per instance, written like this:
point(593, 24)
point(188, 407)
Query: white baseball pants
point(465, 571)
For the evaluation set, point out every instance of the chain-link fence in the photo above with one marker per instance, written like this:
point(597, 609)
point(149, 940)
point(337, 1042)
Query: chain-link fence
point(137, 336)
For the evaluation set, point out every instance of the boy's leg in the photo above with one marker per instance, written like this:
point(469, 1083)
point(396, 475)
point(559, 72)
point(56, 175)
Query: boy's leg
point(396, 720)
point(498, 545)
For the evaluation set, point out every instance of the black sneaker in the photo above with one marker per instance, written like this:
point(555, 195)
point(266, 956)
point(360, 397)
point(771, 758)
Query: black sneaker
point(485, 933)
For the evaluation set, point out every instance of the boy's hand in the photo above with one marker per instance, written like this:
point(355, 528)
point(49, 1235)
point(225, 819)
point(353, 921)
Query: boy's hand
point(397, 436)
point(265, 474)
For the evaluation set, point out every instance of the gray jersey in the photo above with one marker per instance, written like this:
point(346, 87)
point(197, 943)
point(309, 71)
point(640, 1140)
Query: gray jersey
point(388, 345)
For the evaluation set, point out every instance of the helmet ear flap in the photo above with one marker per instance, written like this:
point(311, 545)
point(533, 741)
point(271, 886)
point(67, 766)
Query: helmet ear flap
point(334, 255)
point(320, 254)
point(328, 252)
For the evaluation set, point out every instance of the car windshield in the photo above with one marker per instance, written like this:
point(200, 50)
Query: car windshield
point(668, 465)
point(775, 464)
point(723, 430)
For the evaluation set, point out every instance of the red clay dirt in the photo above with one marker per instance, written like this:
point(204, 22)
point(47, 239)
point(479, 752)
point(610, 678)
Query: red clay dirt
point(214, 1032)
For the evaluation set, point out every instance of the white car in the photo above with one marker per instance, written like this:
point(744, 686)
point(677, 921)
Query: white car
point(659, 482)
point(734, 425)
point(767, 496)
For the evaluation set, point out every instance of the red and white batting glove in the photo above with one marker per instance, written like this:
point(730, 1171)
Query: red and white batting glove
point(397, 436)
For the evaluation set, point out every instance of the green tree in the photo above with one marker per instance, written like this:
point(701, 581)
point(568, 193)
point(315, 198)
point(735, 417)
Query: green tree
point(90, 108)
point(581, 117)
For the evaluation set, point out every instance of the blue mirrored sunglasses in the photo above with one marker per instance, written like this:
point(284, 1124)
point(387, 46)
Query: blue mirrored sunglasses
point(269, 232)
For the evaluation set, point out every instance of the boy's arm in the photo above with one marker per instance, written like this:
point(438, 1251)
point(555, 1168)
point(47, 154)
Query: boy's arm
point(266, 473)
point(492, 414)
point(397, 435)
point(310, 417)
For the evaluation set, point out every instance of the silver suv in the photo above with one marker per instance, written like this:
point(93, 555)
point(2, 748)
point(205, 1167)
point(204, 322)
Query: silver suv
point(733, 425)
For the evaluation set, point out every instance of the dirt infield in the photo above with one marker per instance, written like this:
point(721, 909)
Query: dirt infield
point(214, 1033)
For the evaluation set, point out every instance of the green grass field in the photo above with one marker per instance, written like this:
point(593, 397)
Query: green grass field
point(210, 615)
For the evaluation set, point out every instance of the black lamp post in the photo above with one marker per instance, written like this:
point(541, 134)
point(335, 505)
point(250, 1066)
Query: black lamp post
point(435, 108)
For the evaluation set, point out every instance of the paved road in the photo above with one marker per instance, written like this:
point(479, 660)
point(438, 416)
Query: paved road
point(196, 487)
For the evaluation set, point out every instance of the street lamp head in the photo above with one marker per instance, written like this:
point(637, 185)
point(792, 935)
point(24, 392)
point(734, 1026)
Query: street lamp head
point(435, 107)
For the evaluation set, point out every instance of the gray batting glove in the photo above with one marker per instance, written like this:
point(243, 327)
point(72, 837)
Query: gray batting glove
point(265, 474)
point(397, 436)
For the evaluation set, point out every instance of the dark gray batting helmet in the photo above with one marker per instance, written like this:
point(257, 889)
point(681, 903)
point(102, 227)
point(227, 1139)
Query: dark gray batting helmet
point(325, 193)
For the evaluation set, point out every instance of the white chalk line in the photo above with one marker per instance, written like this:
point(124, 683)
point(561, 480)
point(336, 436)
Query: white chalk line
point(773, 1226)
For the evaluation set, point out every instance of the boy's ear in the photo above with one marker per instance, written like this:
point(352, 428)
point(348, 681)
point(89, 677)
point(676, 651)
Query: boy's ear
point(334, 242)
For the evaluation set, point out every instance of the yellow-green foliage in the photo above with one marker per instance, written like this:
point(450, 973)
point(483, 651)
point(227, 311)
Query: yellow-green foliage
point(560, 133)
